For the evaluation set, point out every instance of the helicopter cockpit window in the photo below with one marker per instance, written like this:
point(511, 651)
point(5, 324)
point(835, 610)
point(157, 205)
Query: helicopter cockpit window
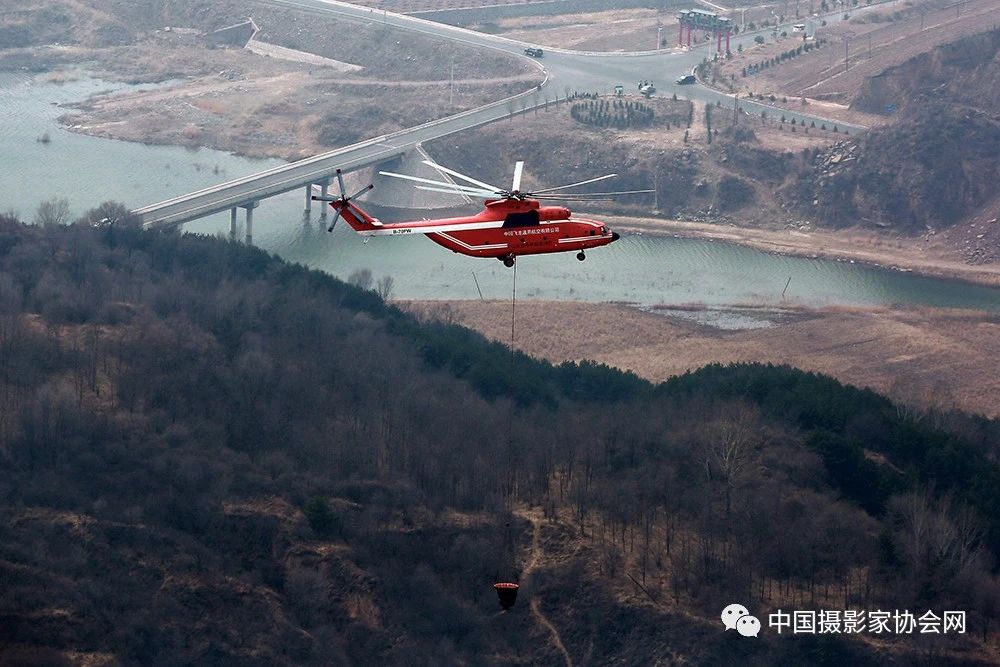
point(525, 219)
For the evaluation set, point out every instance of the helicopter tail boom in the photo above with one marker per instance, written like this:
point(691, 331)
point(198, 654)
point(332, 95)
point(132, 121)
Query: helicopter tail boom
point(356, 217)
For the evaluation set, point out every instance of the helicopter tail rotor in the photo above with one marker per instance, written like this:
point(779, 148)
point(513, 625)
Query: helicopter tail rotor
point(343, 201)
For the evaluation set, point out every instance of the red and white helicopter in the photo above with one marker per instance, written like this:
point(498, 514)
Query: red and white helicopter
point(512, 223)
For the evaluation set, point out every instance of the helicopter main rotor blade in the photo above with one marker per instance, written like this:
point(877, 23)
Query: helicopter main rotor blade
point(363, 190)
point(518, 170)
point(554, 198)
point(603, 194)
point(340, 182)
point(573, 185)
point(417, 179)
point(333, 224)
point(567, 197)
point(467, 193)
point(452, 172)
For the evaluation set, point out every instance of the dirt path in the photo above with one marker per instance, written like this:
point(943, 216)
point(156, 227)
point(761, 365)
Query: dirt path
point(529, 567)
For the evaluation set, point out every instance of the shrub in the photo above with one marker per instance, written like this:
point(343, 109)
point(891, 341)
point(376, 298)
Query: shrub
point(320, 517)
point(733, 193)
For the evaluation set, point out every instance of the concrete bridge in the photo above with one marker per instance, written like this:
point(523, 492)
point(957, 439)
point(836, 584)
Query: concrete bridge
point(565, 71)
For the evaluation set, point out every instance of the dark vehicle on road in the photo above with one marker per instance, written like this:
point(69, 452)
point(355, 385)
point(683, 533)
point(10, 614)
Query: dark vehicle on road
point(533, 52)
point(686, 79)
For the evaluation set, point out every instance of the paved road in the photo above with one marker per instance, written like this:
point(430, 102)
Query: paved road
point(566, 72)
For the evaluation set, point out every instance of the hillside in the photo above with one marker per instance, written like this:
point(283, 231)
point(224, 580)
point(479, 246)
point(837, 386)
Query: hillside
point(212, 456)
point(936, 166)
point(728, 178)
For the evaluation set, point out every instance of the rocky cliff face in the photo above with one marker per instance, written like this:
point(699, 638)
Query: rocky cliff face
point(932, 169)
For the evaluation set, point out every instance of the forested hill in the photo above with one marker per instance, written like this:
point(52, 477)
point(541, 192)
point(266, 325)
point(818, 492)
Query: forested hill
point(211, 456)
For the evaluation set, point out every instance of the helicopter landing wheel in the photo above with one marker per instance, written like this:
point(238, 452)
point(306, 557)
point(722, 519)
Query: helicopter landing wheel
point(508, 261)
point(581, 256)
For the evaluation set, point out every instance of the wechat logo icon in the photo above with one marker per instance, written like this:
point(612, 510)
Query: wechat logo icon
point(737, 617)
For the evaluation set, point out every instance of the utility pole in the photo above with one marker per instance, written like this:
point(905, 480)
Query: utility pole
point(847, 54)
point(735, 109)
point(659, 36)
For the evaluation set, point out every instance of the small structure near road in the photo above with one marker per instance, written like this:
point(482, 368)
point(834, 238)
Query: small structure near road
point(294, 55)
point(236, 35)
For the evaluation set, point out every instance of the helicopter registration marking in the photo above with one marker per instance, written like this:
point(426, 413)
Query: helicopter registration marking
point(525, 232)
point(401, 231)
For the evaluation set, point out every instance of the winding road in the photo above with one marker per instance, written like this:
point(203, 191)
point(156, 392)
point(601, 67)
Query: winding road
point(566, 71)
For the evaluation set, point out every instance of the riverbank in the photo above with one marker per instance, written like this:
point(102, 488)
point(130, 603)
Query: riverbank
point(926, 255)
point(291, 93)
point(923, 357)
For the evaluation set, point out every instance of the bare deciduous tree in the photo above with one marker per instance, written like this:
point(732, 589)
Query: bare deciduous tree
point(943, 538)
point(384, 287)
point(730, 441)
point(54, 211)
point(361, 278)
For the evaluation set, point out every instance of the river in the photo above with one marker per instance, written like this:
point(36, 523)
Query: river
point(643, 269)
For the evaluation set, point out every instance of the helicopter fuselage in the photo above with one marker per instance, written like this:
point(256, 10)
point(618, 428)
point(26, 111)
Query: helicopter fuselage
point(505, 228)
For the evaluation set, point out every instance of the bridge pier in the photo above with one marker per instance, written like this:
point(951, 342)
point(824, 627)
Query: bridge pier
point(324, 191)
point(249, 209)
point(232, 224)
point(309, 201)
point(249, 238)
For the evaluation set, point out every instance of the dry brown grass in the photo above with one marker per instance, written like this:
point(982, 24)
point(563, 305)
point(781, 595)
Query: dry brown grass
point(276, 116)
point(613, 30)
point(238, 101)
point(921, 356)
